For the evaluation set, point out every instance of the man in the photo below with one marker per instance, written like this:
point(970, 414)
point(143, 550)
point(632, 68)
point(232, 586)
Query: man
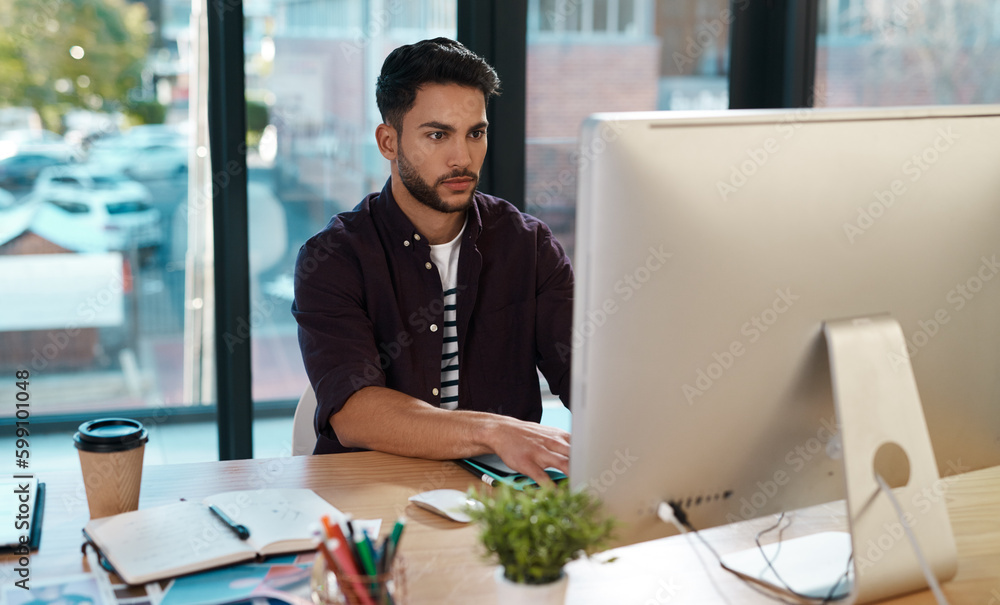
point(424, 312)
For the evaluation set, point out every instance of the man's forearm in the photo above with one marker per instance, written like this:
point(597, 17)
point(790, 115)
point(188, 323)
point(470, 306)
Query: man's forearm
point(382, 419)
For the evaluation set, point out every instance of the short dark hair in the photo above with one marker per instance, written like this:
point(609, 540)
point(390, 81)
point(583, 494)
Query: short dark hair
point(437, 61)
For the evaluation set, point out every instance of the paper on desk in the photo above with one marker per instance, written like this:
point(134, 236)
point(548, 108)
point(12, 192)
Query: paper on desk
point(369, 526)
point(79, 588)
point(283, 581)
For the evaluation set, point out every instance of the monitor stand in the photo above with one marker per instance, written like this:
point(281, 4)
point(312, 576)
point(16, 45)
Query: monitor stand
point(882, 430)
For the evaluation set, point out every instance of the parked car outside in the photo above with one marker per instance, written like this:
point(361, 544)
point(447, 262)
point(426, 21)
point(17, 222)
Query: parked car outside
point(21, 141)
point(19, 172)
point(7, 199)
point(140, 160)
point(67, 183)
point(98, 221)
point(82, 208)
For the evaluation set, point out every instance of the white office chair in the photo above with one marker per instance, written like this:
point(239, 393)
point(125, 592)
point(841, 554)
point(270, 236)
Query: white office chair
point(303, 435)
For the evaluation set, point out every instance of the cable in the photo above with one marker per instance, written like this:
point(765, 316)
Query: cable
point(770, 564)
point(928, 574)
point(671, 512)
point(668, 514)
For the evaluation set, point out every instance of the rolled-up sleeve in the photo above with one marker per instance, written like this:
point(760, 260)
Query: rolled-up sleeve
point(336, 334)
point(554, 317)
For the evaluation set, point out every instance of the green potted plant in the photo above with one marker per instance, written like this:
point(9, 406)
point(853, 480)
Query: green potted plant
point(533, 534)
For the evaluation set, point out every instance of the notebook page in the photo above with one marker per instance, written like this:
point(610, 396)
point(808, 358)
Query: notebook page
point(280, 520)
point(166, 541)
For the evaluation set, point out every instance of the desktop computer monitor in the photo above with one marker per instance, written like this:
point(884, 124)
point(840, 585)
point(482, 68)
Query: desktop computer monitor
point(713, 248)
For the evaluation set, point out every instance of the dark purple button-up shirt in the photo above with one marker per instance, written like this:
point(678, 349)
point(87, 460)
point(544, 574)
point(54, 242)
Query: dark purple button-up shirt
point(368, 301)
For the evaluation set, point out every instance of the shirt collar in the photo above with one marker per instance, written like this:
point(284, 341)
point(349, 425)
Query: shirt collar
point(401, 226)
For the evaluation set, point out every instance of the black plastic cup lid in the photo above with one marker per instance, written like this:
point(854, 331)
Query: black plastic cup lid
point(108, 435)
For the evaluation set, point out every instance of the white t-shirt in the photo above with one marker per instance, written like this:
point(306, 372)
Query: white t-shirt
point(445, 258)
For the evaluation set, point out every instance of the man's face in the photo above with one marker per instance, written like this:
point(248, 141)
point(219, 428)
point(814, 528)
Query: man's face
point(442, 146)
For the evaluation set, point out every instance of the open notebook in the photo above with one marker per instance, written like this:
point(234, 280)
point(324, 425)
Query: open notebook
point(176, 539)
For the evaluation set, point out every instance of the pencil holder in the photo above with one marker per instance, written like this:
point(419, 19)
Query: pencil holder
point(338, 588)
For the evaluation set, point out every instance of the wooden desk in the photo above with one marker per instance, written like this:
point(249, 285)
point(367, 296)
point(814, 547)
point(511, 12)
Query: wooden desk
point(443, 558)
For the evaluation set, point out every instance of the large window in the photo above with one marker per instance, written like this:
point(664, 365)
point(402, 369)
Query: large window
point(882, 52)
point(586, 56)
point(97, 296)
point(311, 120)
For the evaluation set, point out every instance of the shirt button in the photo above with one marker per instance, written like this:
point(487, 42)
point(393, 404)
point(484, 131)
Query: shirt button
point(428, 265)
point(434, 327)
point(406, 242)
point(434, 392)
point(416, 236)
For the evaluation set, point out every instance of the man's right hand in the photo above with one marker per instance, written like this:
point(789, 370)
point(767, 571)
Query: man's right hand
point(530, 448)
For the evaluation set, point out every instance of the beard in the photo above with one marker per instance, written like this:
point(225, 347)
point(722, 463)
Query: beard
point(427, 194)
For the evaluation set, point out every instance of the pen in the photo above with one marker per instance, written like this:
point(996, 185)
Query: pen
point(342, 556)
point(328, 526)
point(382, 555)
point(366, 553)
point(321, 546)
point(392, 542)
point(397, 531)
point(238, 529)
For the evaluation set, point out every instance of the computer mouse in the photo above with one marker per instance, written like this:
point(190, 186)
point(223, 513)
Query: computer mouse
point(449, 503)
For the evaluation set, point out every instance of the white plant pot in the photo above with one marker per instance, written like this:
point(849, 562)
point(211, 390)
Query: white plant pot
point(514, 593)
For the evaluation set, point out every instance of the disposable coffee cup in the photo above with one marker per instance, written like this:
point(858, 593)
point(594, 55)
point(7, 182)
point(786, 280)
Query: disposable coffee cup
point(111, 452)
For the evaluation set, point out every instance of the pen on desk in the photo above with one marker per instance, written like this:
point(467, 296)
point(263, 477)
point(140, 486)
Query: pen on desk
point(328, 526)
point(321, 546)
point(397, 530)
point(238, 529)
point(365, 552)
point(344, 559)
point(487, 479)
point(382, 556)
point(392, 542)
